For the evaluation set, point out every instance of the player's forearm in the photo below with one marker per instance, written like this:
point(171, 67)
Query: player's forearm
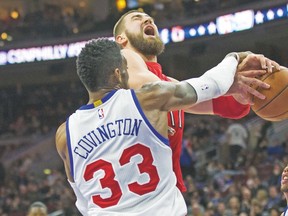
point(224, 106)
point(203, 108)
point(216, 81)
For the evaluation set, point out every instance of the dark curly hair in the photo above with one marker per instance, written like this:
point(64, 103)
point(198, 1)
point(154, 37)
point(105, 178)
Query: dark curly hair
point(97, 61)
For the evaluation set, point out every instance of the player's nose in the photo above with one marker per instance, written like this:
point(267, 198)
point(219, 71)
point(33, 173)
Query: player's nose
point(147, 20)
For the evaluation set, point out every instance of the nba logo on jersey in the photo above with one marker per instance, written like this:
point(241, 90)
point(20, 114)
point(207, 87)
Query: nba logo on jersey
point(101, 113)
point(204, 87)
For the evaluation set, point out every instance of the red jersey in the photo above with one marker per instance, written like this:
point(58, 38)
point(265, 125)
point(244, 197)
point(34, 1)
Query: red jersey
point(176, 121)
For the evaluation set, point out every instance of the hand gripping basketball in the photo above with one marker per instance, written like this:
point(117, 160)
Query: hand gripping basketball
point(275, 106)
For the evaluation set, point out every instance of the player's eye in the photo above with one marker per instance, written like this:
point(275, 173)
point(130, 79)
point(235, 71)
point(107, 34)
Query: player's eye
point(136, 18)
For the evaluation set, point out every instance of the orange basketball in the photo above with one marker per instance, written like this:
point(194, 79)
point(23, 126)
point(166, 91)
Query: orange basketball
point(275, 106)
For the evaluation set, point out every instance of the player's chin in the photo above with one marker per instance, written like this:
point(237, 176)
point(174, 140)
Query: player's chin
point(284, 183)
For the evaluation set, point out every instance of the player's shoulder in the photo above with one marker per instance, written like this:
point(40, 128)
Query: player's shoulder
point(61, 141)
point(61, 128)
point(61, 133)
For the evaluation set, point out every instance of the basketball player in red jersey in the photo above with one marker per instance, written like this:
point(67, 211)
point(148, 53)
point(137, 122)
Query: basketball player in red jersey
point(137, 34)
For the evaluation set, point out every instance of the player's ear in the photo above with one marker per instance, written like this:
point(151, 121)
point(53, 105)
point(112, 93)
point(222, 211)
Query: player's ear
point(121, 39)
point(117, 74)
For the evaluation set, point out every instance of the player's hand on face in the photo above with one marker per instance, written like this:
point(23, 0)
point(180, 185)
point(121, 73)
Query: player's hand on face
point(242, 89)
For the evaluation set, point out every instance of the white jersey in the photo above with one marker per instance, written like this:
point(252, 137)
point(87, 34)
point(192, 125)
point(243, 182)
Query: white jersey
point(120, 164)
point(286, 212)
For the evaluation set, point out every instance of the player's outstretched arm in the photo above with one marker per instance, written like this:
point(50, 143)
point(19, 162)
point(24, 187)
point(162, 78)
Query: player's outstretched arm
point(166, 96)
point(240, 92)
point(171, 96)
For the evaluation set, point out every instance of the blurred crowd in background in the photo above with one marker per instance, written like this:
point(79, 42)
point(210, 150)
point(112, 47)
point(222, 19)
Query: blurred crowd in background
point(48, 20)
point(219, 181)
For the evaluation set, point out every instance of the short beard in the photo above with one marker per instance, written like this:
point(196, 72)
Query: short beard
point(147, 47)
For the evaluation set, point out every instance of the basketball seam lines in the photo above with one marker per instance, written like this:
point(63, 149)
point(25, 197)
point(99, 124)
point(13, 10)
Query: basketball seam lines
point(272, 99)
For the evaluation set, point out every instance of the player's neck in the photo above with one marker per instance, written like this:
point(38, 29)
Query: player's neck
point(149, 58)
point(146, 58)
point(98, 95)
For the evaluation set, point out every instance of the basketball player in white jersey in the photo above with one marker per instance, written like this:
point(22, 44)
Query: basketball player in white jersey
point(115, 149)
point(284, 188)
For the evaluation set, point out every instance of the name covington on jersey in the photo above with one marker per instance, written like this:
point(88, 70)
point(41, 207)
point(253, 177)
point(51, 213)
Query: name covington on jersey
point(96, 137)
